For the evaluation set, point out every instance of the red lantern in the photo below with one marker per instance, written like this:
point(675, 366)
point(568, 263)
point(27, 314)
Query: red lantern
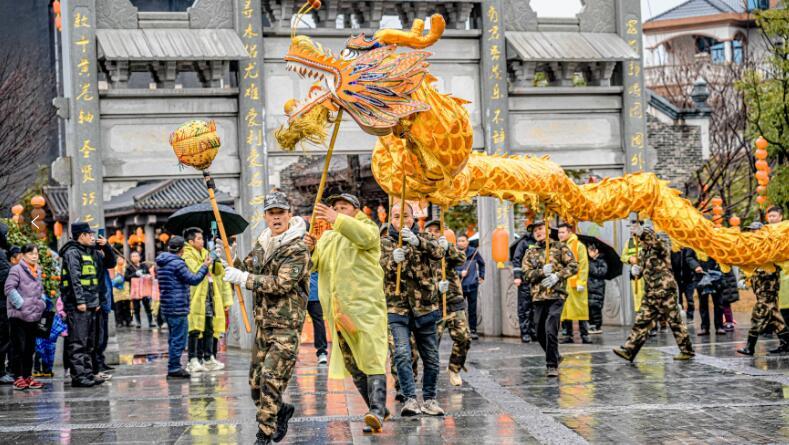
point(761, 189)
point(38, 201)
point(761, 199)
point(58, 229)
point(501, 245)
point(761, 154)
point(164, 237)
point(761, 143)
point(716, 202)
point(762, 176)
point(58, 23)
point(56, 6)
point(38, 215)
point(449, 234)
point(761, 164)
point(734, 221)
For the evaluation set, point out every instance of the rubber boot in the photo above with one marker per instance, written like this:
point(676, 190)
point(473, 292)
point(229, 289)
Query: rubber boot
point(749, 348)
point(784, 346)
point(361, 386)
point(376, 390)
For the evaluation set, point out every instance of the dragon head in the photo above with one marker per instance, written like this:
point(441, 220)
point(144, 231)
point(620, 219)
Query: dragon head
point(367, 79)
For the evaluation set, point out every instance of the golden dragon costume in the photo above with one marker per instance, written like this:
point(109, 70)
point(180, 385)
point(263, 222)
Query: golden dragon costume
point(428, 136)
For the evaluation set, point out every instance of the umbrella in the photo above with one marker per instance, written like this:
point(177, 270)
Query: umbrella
point(607, 253)
point(201, 215)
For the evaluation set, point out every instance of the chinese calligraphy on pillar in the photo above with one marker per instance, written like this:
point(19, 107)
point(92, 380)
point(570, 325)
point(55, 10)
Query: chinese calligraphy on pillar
point(82, 129)
point(633, 104)
point(251, 123)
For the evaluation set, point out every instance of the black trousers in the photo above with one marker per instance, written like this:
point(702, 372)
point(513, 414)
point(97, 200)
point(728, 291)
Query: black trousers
point(546, 320)
point(202, 348)
point(596, 313)
point(471, 304)
point(686, 292)
point(123, 313)
point(23, 336)
point(101, 336)
point(717, 310)
point(583, 326)
point(5, 341)
point(146, 302)
point(318, 327)
point(80, 342)
point(525, 311)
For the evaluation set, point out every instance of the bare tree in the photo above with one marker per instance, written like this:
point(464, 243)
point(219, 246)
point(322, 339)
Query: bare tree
point(26, 120)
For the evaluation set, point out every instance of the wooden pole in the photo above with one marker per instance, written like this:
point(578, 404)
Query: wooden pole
point(400, 239)
point(226, 243)
point(322, 186)
point(443, 262)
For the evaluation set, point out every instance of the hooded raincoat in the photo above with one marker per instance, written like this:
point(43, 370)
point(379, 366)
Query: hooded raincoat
point(223, 297)
point(576, 307)
point(637, 284)
point(351, 288)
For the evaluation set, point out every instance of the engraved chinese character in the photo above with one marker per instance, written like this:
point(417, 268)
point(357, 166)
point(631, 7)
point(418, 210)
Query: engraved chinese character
point(632, 26)
point(85, 94)
point(257, 200)
point(252, 49)
point(81, 21)
point(497, 116)
point(83, 42)
point(633, 68)
point(87, 174)
point(88, 198)
point(85, 117)
point(637, 140)
point(252, 118)
point(494, 33)
point(253, 159)
point(633, 43)
point(252, 92)
point(495, 72)
point(250, 71)
point(634, 90)
point(636, 160)
point(496, 94)
point(86, 149)
point(88, 218)
point(256, 218)
point(495, 53)
point(247, 12)
point(499, 136)
point(493, 14)
point(257, 180)
point(635, 110)
point(249, 32)
point(84, 67)
point(255, 137)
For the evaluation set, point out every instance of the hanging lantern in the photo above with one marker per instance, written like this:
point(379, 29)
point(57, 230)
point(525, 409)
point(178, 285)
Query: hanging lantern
point(38, 201)
point(17, 209)
point(58, 23)
point(761, 190)
point(501, 246)
point(762, 177)
point(761, 165)
point(470, 230)
point(164, 237)
point(761, 199)
point(38, 214)
point(58, 228)
point(716, 201)
point(734, 221)
point(449, 234)
point(761, 143)
point(368, 211)
point(56, 7)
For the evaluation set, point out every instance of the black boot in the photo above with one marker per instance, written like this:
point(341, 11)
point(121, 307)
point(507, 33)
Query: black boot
point(361, 386)
point(784, 346)
point(283, 417)
point(376, 390)
point(749, 348)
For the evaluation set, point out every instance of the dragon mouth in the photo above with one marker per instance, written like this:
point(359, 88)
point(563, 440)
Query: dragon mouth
point(297, 108)
point(305, 71)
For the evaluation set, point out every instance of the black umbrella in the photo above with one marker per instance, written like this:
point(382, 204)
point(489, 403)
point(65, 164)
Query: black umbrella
point(201, 215)
point(607, 253)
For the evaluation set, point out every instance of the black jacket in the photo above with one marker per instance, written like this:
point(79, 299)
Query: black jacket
point(75, 293)
point(683, 266)
point(520, 250)
point(131, 271)
point(596, 282)
point(5, 266)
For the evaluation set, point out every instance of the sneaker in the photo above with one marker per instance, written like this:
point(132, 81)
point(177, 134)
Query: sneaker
point(624, 353)
point(552, 371)
point(218, 366)
point(283, 417)
point(135, 324)
point(728, 327)
point(431, 408)
point(152, 325)
point(20, 384)
point(39, 374)
point(585, 340)
point(209, 366)
point(525, 339)
point(98, 380)
point(104, 376)
point(322, 360)
point(410, 408)
point(683, 356)
point(194, 366)
point(474, 336)
point(653, 332)
point(180, 374)
point(7, 379)
point(567, 340)
point(703, 332)
point(84, 383)
point(34, 384)
point(454, 379)
point(720, 331)
point(595, 330)
point(262, 439)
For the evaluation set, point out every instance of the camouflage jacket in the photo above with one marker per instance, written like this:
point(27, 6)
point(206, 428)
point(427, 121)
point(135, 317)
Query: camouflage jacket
point(654, 257)
point(564, 264)
point(280, 285)
point(417, 286)
point(766, 285)
point(454, 259)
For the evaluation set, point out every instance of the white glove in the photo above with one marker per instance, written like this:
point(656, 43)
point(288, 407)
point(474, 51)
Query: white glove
point(636, 229)
point(138, 273)
point(579, 288)
point(235, 276)
point(547, 269)
point(443, 286)
point(635, 269)
point(443, 243)
point(741, 284)
point(409, 237)
point(398, 255)
point(550, 281)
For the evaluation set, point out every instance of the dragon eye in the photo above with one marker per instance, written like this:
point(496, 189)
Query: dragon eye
point(349, 54)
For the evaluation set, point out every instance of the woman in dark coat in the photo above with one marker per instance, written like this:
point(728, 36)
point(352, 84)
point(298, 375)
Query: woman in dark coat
point(596, 283)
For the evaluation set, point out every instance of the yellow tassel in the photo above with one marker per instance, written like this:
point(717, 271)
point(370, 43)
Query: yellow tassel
point(311, 126)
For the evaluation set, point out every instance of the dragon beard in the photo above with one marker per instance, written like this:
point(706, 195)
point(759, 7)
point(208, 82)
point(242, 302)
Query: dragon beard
point(311, 127)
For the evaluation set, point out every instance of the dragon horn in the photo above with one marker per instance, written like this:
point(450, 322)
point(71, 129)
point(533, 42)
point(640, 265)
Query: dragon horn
point(414, 38)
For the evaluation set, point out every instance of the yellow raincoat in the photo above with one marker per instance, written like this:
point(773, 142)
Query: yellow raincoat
point(351, 285)
point(629, 251)
point(576, 307)
point(223, 297)
point(783, 292)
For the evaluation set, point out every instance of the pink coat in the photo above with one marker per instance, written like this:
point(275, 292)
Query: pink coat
point(30, 287)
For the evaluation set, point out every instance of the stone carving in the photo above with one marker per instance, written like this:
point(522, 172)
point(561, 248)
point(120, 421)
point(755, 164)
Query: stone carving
point(612, 307)
point(597, 16)
point(211, 14)
point(518, 16)
point(116, 14)
point(510, 325)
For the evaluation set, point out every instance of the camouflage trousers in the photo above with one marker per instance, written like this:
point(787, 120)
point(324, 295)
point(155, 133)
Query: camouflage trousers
point(359, 377)
point(461, 338)
point(414, 359)
point(273, 359)
point(766, 314)
point(655, 307)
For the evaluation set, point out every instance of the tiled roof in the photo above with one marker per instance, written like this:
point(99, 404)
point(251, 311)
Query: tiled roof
point(569, 46)
point(170, 44)
point(57, 201)
point(161, 196)
point(701, 8)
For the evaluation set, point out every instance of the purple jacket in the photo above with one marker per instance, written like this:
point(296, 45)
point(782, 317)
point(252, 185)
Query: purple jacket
point(30, 288)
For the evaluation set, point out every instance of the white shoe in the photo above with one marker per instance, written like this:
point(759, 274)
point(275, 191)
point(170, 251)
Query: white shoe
point(104, 376)
point(454, 379)
point(194, 366)
point(213, 364)
point(322, 360)
point(431, 408)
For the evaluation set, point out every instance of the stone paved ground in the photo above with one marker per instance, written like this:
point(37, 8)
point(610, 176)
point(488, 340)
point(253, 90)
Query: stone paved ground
point(505, 399)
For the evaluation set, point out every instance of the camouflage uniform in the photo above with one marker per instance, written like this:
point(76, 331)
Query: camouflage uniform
point(765, 312)
point(280, 286)
point(415, 304)
point(660, 296)
point(456, 320)
point(548, 302)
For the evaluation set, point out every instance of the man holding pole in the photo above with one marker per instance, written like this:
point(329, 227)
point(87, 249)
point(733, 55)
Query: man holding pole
point(277, 272)
point(351, 281)
point(412, 308)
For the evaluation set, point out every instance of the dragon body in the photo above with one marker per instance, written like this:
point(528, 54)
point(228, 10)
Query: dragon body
point(425, 138)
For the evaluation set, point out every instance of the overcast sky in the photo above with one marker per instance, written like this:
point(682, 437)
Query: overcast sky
point(568, 8)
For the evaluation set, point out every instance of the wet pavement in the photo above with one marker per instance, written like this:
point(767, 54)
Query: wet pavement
point(719, 397)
